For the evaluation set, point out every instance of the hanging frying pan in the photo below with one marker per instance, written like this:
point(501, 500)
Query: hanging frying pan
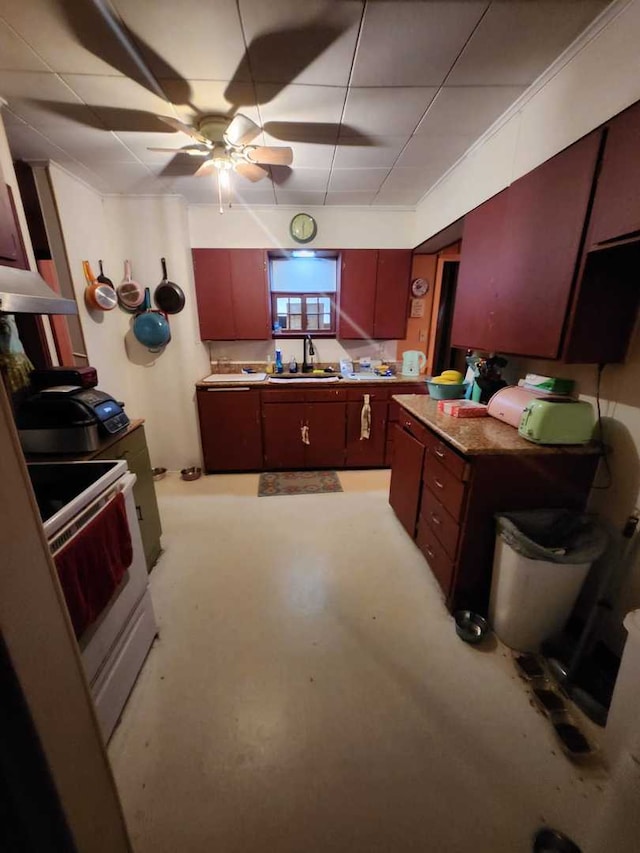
point(168, 296)
point(99, 297)
point(130, 293)
point(151, 328)
point(102, 278)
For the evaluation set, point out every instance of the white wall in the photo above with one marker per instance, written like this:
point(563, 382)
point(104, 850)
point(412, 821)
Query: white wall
point(268, 228)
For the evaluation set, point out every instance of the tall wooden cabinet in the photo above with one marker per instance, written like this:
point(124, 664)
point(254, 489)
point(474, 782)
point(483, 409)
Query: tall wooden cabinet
point(232, 294)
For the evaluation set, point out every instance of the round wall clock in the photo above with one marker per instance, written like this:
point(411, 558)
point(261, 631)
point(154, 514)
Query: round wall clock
point(419, 287)
point(303, 228)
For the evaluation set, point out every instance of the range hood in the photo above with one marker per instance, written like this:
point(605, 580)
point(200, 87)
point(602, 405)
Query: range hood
point(26, 292)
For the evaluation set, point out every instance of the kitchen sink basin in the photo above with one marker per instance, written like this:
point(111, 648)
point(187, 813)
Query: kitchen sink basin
point(305, 377)
point(370, 377)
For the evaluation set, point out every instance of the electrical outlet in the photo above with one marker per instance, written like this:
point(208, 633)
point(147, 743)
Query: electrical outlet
point(422, 336)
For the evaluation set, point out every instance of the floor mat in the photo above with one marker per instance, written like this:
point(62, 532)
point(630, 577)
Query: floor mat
point(298, 483)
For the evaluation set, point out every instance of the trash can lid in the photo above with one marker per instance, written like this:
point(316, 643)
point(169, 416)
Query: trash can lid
point(632, 622)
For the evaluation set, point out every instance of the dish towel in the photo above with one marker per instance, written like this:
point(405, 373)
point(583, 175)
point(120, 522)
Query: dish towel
point(92, 564)
point(365, 419)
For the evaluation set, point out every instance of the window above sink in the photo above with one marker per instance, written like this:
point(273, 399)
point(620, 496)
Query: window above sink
point(303, 294)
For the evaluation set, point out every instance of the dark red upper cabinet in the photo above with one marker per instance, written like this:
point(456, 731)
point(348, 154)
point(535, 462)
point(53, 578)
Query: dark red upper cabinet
point(231, 294)
point(358, 271)
point(546, 213)
point(250, 290)
point(520, 256)
point(616, 207)
point(392, 293)
point(12, 251)
point(480, 277)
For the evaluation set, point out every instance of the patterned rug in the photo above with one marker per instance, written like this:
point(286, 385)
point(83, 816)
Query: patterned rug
point(298, 483)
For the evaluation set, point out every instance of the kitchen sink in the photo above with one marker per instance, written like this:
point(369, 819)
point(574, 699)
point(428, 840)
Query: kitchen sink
point(305, 377)
point(369, 377)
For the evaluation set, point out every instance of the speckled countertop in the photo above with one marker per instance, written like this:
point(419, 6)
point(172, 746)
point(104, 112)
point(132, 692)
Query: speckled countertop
point(476, 436)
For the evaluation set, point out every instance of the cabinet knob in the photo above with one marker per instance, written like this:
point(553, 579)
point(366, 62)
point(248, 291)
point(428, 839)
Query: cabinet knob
point(435, 519)
point(439, 453)
point(438, 483)
point(429, 551)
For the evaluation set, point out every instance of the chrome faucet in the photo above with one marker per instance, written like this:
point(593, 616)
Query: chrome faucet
point(307, 366)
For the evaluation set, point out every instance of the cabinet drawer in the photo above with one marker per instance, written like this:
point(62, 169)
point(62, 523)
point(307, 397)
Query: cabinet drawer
point(439, 562)
point(448, 457)
point(355, 395)
point(443, 525)
point(442, 483)
point(325, 395)
point(127, 447)
point(285, 396)
point(413, 426)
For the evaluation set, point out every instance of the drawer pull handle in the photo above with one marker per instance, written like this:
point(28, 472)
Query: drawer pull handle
point(439, 453)
point(139, 512)
point(435, 519)
point(438, 483)
point(429, 551)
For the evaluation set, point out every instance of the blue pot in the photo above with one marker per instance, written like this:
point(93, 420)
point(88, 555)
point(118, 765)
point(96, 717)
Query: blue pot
point(151, 328)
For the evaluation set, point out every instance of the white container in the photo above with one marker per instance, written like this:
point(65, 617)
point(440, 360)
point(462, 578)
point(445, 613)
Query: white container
point(622, 733)
point(531, 600)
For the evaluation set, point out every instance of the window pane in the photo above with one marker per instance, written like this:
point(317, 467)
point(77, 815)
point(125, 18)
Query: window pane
point(312, 322)
point(326, 321)
point(283, 305)
point(295, 305)
point(295, 321)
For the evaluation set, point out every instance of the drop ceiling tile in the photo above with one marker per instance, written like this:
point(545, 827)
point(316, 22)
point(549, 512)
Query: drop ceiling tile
point(383, 152)
point(401, 178)
point(424, 151)
point(308, 180)
point(257, 194)
point(26, 143)
point(412, 44)
point(306, 154)
point(385, 110)
point(90, 146)
point(315, 104)
point(15, 53)
point(139, 143)
point(87, 175)
point(67, 40)
point(467, 110)
point(517, 40)
point(213, 97)
point(352, 198)
point(299, 197)
point(106, 95)
point(408, 197)
point(349, 180)
point(195, 190)
point(197, 40)
point(311, 42)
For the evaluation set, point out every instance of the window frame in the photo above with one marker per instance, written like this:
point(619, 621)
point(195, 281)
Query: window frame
point(303, 296)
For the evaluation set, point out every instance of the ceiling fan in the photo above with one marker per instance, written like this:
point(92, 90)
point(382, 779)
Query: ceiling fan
point(226, 145)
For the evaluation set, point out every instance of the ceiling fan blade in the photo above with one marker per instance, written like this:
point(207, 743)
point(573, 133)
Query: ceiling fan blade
point(251, 171)
point(241, 130)
point(207, 168)
point(164, 149)
point(181, 127)
point(191, 150)
point(270, 155)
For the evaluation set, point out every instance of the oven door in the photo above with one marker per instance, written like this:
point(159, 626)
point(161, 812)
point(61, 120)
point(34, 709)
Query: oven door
point(98, 640)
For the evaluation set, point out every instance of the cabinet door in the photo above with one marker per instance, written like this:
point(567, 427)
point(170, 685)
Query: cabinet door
point(230, 429)
point(480, 274)
point(546, 213)
point(250, 294)
point(282, 433)
point(616, 207)
point(358, 272)
point(212, 273)
point(366, 453)
point(392, 294)
point(327, 424)
point(406, 478)
point(9, 229)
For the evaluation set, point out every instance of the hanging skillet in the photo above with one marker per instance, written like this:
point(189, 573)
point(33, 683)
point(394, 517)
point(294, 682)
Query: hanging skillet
point(130, 293)
point(97, 296)
point(168, 296)
point(151, 328)
point(103, 279)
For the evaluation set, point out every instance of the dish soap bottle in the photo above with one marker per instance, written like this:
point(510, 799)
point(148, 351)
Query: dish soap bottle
point(279, 368)
point(293, 365)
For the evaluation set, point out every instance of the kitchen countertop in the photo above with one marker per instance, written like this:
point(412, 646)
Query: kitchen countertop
point(391, 380)
point(105, 443)
point(480, 436)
